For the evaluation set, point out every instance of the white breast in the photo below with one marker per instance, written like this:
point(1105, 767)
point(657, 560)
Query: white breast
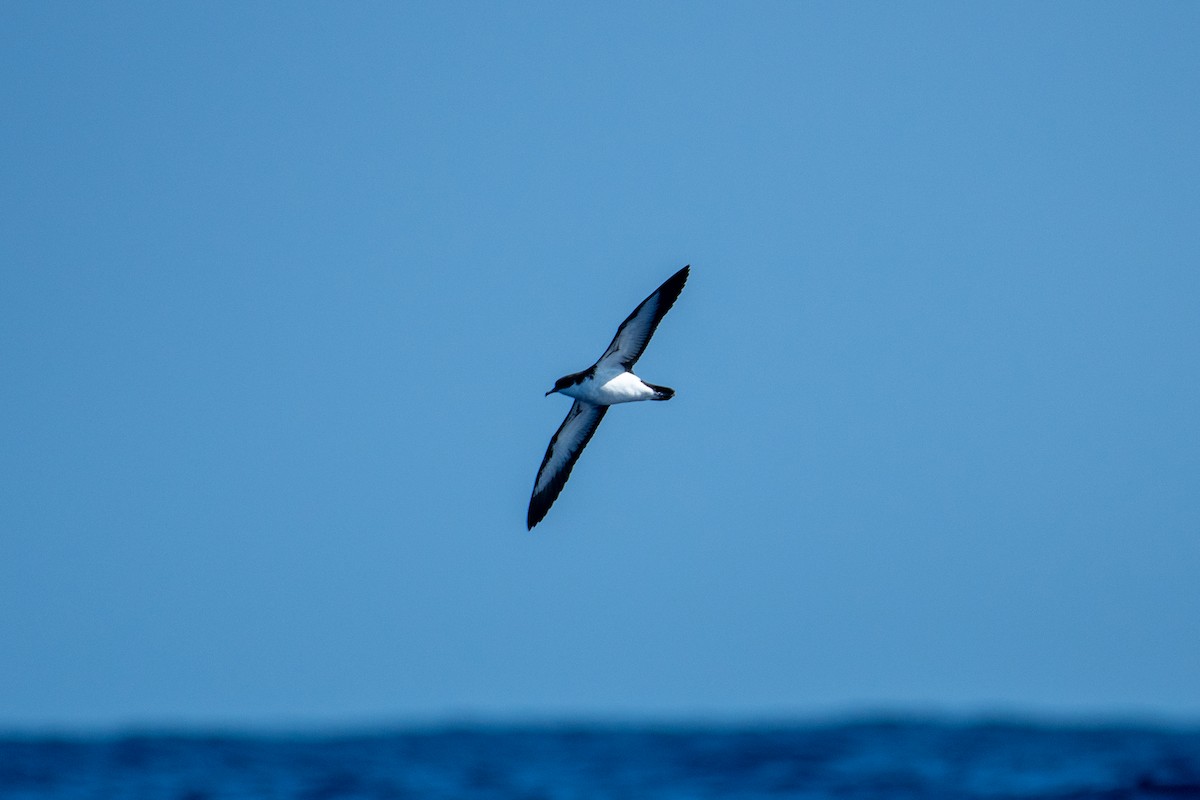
point(610, 387)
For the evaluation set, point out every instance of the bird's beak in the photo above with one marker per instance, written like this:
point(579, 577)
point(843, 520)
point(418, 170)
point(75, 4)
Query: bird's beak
point(550, 392)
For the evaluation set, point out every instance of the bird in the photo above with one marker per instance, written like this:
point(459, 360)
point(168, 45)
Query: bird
point(607, 382)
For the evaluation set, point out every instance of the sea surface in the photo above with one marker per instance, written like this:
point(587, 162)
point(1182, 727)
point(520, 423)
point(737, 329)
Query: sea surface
point(862, 759)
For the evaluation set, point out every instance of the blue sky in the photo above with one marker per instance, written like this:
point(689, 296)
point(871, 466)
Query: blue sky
point(284, 287)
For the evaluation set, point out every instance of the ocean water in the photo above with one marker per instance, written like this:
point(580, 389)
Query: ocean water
point(864, 759)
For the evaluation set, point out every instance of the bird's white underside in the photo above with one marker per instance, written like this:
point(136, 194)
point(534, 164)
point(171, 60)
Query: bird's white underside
point(610, 386)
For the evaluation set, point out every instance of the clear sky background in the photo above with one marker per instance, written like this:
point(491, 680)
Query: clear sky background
point(283, 287)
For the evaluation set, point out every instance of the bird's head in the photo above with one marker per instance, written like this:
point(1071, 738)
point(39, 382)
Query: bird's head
point(564, 382)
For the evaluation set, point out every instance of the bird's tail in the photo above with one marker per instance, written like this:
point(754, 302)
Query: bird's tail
point(661, 392)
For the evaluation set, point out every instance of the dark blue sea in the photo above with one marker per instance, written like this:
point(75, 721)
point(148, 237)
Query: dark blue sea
point(865, 759)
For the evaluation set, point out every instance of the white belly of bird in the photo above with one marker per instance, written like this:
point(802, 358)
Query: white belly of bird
point(610, 389)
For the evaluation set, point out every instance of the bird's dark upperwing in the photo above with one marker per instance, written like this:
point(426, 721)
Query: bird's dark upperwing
point(568, 442)
point(635, 332)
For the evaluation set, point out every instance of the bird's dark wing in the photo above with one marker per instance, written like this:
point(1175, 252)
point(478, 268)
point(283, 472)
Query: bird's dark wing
point(568, 442)
point(635, 332)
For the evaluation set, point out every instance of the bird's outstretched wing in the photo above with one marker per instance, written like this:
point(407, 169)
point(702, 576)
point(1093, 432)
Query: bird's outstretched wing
point(568, 442)
point(635, 332)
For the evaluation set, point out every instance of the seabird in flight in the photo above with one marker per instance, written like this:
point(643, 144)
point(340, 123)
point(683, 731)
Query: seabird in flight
point(607, 382)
